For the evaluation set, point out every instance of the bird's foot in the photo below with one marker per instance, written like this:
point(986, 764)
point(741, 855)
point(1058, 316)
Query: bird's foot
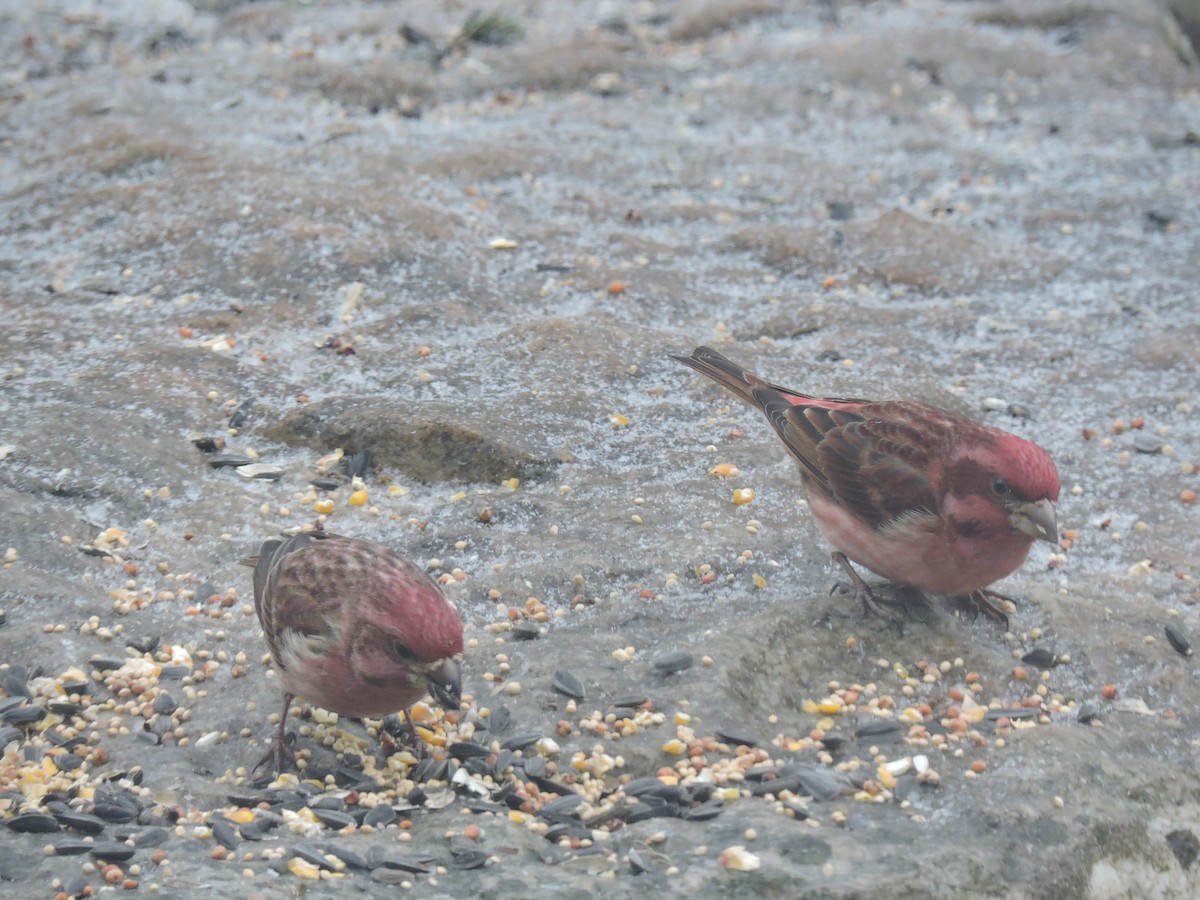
point(870, 600)
point(280, 756)
point(980, 601)
point(404, 734)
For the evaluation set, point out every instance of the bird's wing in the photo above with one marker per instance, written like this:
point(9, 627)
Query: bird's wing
point(874, 466)
point(291, 600)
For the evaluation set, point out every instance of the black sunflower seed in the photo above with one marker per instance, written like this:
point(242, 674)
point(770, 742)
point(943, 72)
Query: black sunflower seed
point(229, 460)
point(1178, 639)
point(152, 836)
point(72, 847)
point(33, 823)
point(381, 816)
point(381, 857)
point(1040, 658)
point(15, 686)
point(224, 833)
point(526, 631)
point(631, 701)
point(464, 750)
point(332, 818)
point(313, 855)
point(735, 737)
point(1015, 714)
point(817, 783)
point(562, 806)
point(349, 857)
point(710, 809)
point(554, 787)
point(24, 715)
point(877, 728)
point(8, 734)
point(81, 822)
point(112, 851)
point(328, 802)
point(679, 661)
point(499, 720)
point(165, 704)
point(173, 673)
point(521, 742)
point(568, 683)
point(475, 859)
point(534, 767)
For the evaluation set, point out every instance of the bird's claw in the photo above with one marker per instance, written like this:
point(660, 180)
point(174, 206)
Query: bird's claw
point(280, 755)
point(869, 601)
point(981, 602)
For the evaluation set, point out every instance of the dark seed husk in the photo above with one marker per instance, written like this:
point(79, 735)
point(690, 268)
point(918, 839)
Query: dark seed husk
point(816, 782)
point(112, 851)
point(349, 857)
point(642, 859)
point(561, 807)
point(534, 767)
point(154, 836)
point(1178, 639)
point(207, 443)
point(33, 823)
point(229, 460)
point(710, 809)
point(464, 750)
point(547, 785)
point(504, 759)
point(81, 822)
point(568, 684)
point(249, 801)
point(566, 829)
point(417, 796)
point(311, 854)
point(735, 738)
point(8, 734)
point(332, 818)
point(1088, 712)
point(381, 816)
point(643, 811)
point(632, 701)
point(1016, 713)
point(328, 801)
point(381, 857)
point(251, 831)
point(679, 661)
point(430, 769)
point(24, 715)
point(165, 704)
point(241, 415)
point(72, 847)
point(521, 741)
point(64, 707)
point(104, 663)
point(148, 737)
point(115, 812)
point(385, 875)
point(173, 673)
point(878, 728)
point(1040, 658)
point(68, 762)
point(485, 806)
point(144, 645)
point(224, 833)
point(526, 631)
point(499, 720)
point(16, 687)
point(475, 859)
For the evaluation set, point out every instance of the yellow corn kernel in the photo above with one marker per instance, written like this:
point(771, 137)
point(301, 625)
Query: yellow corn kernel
point(742, 496)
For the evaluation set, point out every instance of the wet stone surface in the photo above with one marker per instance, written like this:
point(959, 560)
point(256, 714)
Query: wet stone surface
point(420, 274)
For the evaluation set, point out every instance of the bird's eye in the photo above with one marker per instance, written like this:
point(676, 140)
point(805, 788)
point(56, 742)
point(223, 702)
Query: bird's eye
point(1001, 487)
point(400, 650)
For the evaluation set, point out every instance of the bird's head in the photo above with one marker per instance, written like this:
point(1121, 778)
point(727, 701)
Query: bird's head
point(410, 637)
point(1001, 483)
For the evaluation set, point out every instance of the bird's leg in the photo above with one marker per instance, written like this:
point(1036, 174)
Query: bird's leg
point(982, 599)
point(418, 743)
point(280, 752)
point(868, 600)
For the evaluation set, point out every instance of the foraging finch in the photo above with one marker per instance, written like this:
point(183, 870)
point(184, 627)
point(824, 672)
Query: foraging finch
point(353, 628)
point(922, 496)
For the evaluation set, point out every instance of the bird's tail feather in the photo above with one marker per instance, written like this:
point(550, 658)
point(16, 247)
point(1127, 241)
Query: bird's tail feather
point(724, 372)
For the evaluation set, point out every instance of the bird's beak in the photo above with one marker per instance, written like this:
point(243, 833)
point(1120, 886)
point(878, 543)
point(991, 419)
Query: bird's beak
point(444, 681)
point(1036, 520)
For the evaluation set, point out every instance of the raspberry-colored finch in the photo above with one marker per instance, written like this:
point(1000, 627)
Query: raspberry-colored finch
point(922, 496)
point(353, 628)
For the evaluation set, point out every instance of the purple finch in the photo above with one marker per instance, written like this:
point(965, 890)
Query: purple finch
point(353, 628)
point(919, 495)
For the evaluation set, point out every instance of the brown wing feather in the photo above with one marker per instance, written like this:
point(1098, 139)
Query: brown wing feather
point(287, 591)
